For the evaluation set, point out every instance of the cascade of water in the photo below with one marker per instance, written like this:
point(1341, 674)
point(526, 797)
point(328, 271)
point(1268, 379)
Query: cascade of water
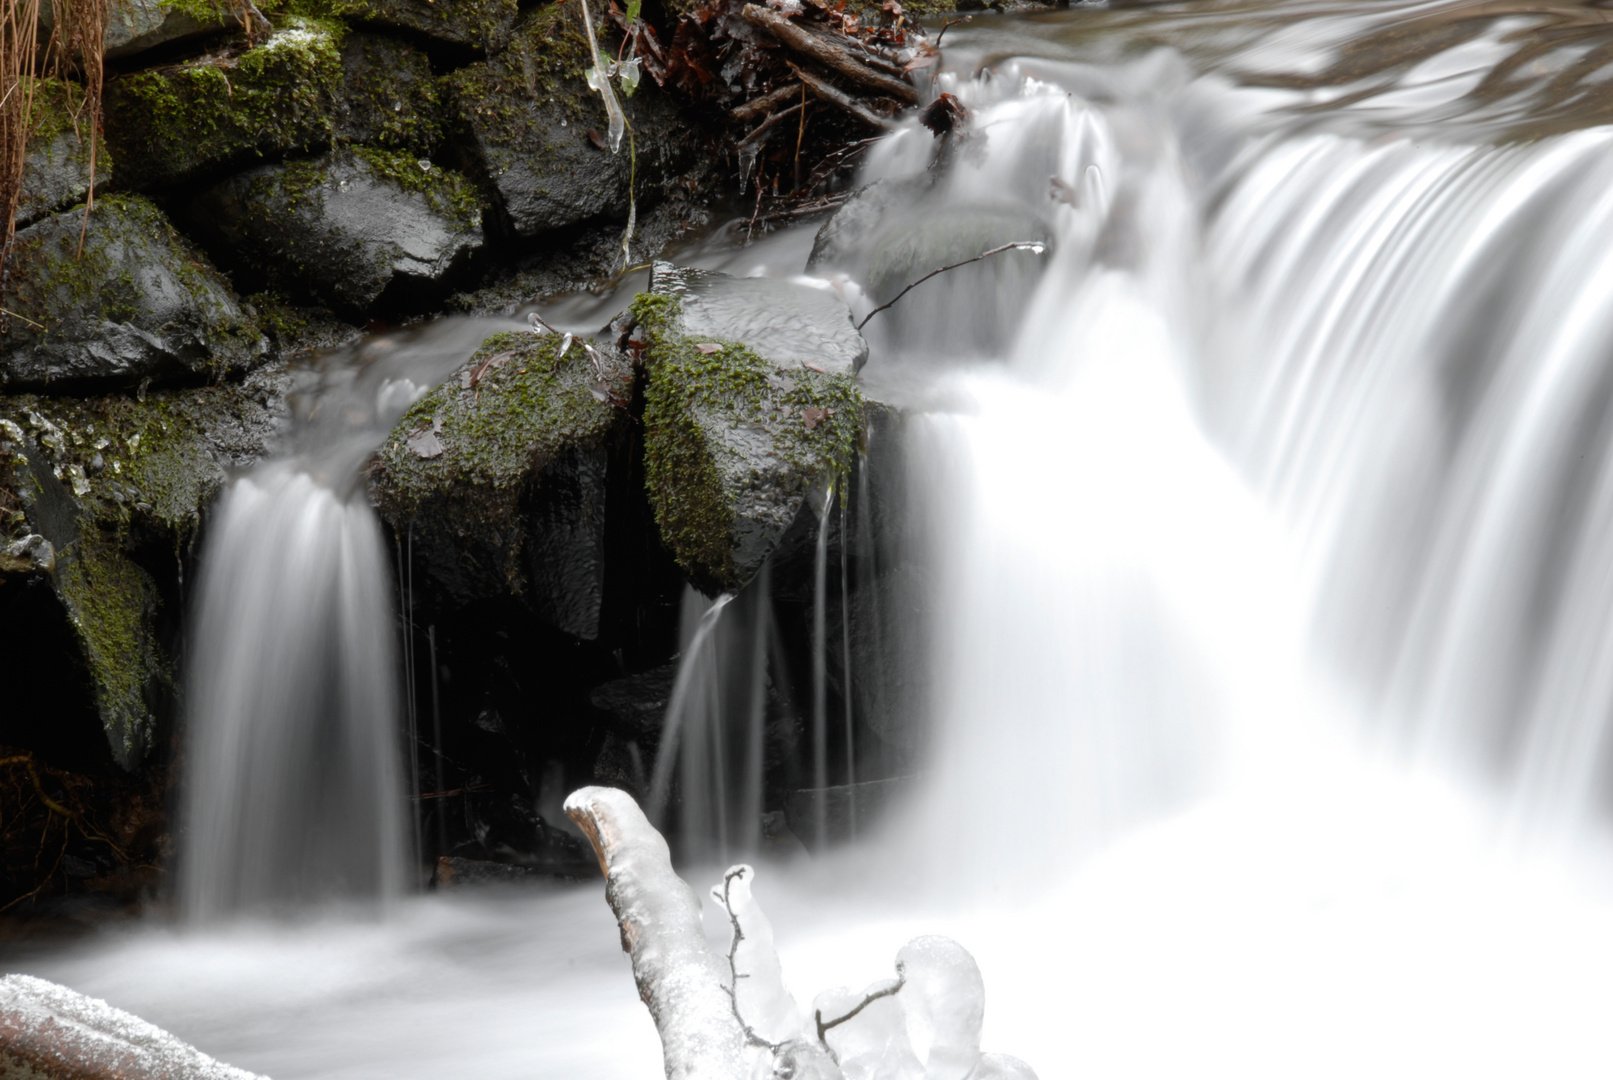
point(293, 770)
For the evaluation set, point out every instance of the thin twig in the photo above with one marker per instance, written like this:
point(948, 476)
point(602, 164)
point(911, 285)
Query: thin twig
point(1034, 246)
point(765, 104)
point(949, 24)
point(889, 991)
point(772, 121)
point(733, 963)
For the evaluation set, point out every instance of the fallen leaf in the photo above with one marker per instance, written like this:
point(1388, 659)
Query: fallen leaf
point(813, 367)
point(813, 417)
point(596, 138)
point(708, 347)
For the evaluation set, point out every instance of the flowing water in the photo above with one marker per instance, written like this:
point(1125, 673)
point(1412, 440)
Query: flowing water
point(1265, 545)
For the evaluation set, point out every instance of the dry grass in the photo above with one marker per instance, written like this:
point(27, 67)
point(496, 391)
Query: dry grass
point(72, 51)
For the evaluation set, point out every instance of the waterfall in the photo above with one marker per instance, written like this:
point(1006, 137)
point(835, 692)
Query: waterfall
point(294, 755)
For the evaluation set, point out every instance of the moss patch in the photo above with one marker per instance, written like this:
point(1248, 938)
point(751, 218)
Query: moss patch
point(168, 124)
point(526, 406)
point(701, 481)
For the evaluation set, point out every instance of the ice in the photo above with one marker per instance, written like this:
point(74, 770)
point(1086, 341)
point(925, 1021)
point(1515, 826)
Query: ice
point(945, 1003)
point(764, 1002)
point(873, 1044)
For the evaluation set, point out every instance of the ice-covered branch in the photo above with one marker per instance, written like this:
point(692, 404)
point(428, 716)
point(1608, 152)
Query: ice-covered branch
point(678, 976)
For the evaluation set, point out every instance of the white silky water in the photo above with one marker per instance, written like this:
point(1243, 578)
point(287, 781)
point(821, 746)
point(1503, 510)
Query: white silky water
point(1268, 568)
point(294, 754)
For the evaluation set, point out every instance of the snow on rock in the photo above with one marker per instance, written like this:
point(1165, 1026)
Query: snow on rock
point(48, 1032)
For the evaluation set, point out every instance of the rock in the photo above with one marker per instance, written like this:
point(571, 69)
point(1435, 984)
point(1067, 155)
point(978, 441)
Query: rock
point(172, 124)
point(140, 304)
point(134, 26)
point(455, 871)
point(793, 325)
point(388, 96)
point(842, 239)
point(525, 118)
point(99, 478)
point(637, 703)
point(31, 554)
point(733, 439)
point(56, 170)
point(515, 502)
point(472, 24)
point(908, 246)
point(48, 1032)
point(345, 227)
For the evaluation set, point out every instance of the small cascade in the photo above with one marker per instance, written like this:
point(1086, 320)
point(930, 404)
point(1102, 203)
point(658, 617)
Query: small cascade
point(294, 764)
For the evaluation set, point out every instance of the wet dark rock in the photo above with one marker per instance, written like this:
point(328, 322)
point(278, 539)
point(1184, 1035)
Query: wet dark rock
point(140, 304)
point(135, 26)
point(470, 24)
point(455, 871)
point(515, 501)
point(48, 1032)
point(908, 246)
point(388, 96)
point(345, 227)
point(842, 240)
point(56, 170)
point(735, 439)
point(637, 704)
point(524, 119)
point(161, 461)
point(172, 124)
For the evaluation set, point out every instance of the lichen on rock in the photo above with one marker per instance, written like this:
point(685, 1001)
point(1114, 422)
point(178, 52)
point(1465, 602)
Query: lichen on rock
point(137, 304)
point(733, 443)
point(497, 476)
point(176, 123)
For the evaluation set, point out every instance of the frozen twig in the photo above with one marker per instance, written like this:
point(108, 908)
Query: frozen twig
point(736, 937)
point(826, 1026)
point(1034, 246)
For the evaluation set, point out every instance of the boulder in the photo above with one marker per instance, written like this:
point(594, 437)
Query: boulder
point(138, 305)
point(472, 24)
point(388, 96)
point(498, 476)
point(134, 26)
point(734, 437)
point(48, 1032)
point(345, 227)
point(529, 124)
point(171, 124)
point(56, 171)
point(95, 479)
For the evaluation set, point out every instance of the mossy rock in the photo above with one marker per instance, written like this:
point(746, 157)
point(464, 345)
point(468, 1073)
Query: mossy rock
point(733, 441)
point(99, 478)
point(172, 124)
point(498, 476)
point(471, 24)
point(138, 304)
point(388, 97)
point(346, 227)
point(57, 169)
point(135, 26)
point(524, 119)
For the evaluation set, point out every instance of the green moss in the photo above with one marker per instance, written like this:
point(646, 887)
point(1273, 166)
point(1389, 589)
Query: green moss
point(691, 487)
point(448, 193)
point(389, 97)
point(543, 64)
point(170, 123)
point(111, 602)
point(481, 24)
point(528, 405)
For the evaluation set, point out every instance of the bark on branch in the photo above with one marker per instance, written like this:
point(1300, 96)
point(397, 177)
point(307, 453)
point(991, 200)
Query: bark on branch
point(837, 97)
point(830, 55)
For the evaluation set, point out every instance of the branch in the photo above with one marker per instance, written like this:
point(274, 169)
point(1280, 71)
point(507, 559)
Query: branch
point(830, 55)
point(679, 978)
point(733, 967)
point(836, 96)
point(1036, 247)
point(765, 104)
point(889, 991)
